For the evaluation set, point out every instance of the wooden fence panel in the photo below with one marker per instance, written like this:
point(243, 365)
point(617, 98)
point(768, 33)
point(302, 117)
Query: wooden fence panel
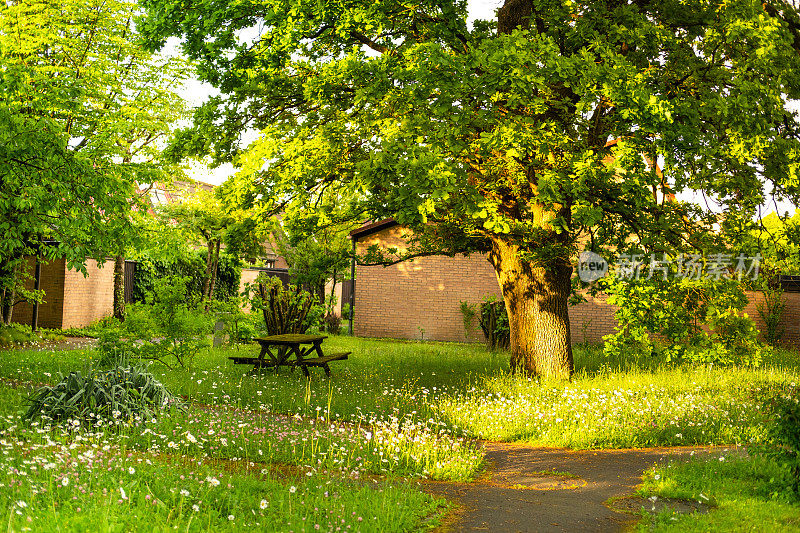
point(130, 270)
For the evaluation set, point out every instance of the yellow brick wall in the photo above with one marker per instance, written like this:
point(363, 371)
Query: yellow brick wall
point(52, 283)
point(422, 297)
point(88, 299)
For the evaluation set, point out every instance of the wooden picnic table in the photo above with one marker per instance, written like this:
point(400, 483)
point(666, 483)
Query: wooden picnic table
point(280, 349)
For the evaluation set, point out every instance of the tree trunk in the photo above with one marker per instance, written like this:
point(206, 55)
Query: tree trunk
point(9, 293)
point(536, 301)
point(119, 287)
point(333, 289)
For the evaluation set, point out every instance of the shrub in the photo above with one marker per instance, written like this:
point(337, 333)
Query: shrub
point(468, 315)
point(285, 310)
point(494, 323)
point(783, 444)
point(699, 320)
point(168, 328)
point(333, 323)
point(13, 334)
point(149, 270)
point(241, 327)
point(126, 395)
point(773, 307)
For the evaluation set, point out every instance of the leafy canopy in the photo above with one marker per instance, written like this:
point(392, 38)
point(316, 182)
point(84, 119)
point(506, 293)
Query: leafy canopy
point(536, 128)
point(83, 108)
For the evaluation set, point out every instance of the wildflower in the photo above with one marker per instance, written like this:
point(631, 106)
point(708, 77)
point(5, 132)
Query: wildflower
point(131, 470)
point(191, 438)
point(195, 507)
point(65, 481)
point(22, 504)
point(214, 482)
point(230, 517)
point(264, 504)
point(122, 493)
point(184, 492)
point(292, 489)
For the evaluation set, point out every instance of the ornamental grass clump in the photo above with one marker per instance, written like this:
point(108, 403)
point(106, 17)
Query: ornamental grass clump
point(285, 311)
point(123, 395)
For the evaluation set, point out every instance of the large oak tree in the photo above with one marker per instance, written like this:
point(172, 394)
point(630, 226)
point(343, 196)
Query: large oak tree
point(517, 136)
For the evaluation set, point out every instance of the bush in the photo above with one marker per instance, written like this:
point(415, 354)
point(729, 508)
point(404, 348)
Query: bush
point(95, 329)
point(14, 334)
point(468, 316)
point(285, 309)
point(333, 323)
point(699, 320)
point(241, 327)
point(149, 270)
point(783, 444)
point(494, 323)
point(123, 395)
point(168, 328)
point(772, 309)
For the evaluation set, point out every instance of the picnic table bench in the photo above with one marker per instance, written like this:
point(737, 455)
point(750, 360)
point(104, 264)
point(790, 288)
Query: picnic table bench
point(280, 348)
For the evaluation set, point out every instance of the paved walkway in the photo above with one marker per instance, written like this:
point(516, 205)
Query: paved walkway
point(516, 496)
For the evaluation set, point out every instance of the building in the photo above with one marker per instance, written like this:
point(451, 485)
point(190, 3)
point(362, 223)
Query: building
point(421, 298)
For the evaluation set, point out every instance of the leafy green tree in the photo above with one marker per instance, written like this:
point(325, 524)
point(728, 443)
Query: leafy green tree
point(203, 216)
point(518, 136)
point(83, 108)
point(315, 255)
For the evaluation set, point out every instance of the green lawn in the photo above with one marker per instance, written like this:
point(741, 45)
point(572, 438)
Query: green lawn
point(396, 410)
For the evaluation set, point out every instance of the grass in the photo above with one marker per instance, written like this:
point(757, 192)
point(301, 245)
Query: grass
point(745, 494)
point(396, 410)
point(19, 335)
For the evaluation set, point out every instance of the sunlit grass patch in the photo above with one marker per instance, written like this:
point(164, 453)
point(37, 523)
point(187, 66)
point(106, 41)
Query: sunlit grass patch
point(679, 406)
point(392, 410)
point(743, 493)
point(407, 447)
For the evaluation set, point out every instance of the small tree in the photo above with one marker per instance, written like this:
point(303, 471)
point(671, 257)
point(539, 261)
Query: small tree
point(772, 309)
point(168, 328)
point(203, 216)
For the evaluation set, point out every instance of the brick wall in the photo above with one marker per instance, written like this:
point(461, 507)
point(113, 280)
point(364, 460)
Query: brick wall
point(52, 283)
point(791, 317)
point(248, 276)
point(71, 300)
point(422, 297)
point(88, 299)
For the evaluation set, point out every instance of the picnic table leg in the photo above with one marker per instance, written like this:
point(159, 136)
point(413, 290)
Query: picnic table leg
point(318, 347)
point(298, 358)
point(257, 366)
